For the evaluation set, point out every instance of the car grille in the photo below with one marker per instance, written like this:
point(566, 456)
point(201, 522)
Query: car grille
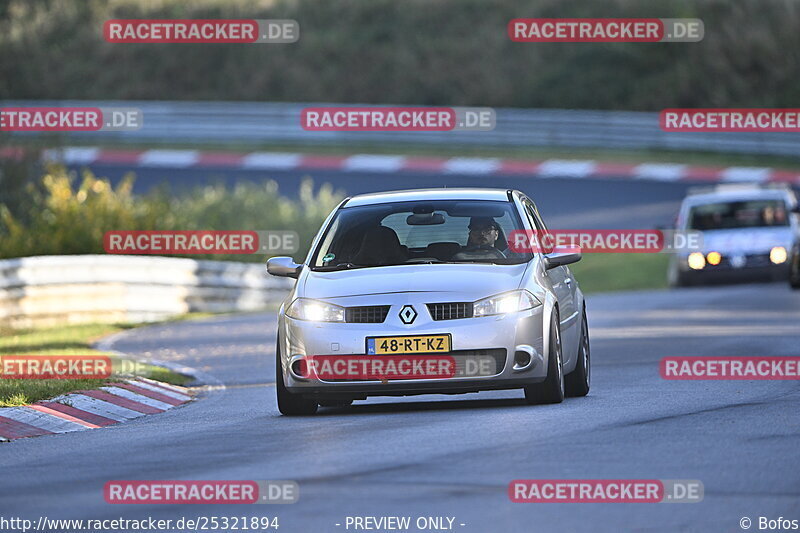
point(498, 354)
point(450, 310)
point(370, 314)
point(460, 356)
point(750, 261)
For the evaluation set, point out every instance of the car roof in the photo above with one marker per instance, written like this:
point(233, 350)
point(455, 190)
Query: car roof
point(730, 192)
point(732, 196)
point(412, 195)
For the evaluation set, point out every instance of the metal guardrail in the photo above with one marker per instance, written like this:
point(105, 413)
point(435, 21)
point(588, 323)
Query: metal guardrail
point(58, 289)
point(279, 123)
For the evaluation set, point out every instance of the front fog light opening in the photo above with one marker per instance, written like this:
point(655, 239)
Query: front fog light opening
point(523, 358)
point(778, 255)
point(298, 368)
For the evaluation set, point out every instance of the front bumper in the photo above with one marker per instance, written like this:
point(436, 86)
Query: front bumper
point(727, 274)
point(506, 334)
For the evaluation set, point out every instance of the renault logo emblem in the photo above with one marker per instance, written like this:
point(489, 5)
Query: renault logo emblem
point(408, 314)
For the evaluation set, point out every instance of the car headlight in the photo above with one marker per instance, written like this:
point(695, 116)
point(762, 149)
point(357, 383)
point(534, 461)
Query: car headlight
point(713, 258)
point(696, 261)
point(508, 302)
point(315, 311)
point(778, 255)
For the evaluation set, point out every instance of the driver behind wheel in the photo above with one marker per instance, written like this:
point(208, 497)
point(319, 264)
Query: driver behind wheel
point(482, 241)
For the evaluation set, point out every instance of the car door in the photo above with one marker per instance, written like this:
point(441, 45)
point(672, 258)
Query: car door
point(565, 288)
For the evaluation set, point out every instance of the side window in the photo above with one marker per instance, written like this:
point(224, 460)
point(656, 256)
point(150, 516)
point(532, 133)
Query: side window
point(536, 222)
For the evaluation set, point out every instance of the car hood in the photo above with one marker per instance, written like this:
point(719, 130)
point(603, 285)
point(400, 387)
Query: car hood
point(463, 281)
point(751, 240)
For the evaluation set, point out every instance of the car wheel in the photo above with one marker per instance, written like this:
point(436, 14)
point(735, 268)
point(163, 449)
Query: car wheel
point(551, 390)
point(794, 270)
point(577, 382)
point(290, 404)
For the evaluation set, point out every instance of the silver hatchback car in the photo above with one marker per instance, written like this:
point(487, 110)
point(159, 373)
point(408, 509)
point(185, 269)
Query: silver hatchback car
point(429, 275)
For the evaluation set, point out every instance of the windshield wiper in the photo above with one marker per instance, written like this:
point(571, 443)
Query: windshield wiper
point(340, 266)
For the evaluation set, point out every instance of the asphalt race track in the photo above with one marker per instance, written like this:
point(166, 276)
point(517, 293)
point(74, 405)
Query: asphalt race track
point(455, 455)
point(565, 203)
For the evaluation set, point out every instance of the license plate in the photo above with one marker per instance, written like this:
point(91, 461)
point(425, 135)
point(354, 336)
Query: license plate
point(408, 344)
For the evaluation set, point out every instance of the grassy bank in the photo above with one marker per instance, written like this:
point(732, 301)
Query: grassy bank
point(63, 340)
point(621, 272)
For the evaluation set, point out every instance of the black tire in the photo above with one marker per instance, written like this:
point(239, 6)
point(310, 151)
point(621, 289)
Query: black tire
point(551, 390)
point(794, 270)
point(290, 404)
point(577, 382)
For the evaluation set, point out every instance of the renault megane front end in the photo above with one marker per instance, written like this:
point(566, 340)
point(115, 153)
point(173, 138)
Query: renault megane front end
point(420, 292)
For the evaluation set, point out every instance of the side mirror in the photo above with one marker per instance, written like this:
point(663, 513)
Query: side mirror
point(557, 259)
point(283, 267)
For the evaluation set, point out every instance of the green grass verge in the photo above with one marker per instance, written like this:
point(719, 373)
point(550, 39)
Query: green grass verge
point(621, 272)
point(63, 340)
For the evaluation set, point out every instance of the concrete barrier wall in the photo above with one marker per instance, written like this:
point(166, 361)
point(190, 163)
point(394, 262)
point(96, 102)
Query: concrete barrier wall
point(40, 291)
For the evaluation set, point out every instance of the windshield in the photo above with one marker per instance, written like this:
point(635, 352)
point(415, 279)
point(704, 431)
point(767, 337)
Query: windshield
point(421, 232)
point(741, 214)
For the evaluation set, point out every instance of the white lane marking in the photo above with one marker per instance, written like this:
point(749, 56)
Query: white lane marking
point(169, 158)
point(172, 394)
point(141, 398)
point(72, 155)
point(374, 163)
point(270, 160)
point(98, 407)
point(745, 174)
point(570, 168)
point(471, 165)
point(659, 171)
point(41, 420)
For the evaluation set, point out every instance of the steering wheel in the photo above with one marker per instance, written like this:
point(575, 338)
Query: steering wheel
point(498, 254)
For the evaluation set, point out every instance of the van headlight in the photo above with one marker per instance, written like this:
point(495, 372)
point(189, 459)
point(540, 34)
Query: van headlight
point(315, 311)
point(778, 255)
point(508, 302)
point(696, 261)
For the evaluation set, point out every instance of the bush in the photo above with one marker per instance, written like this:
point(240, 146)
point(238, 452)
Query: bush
point(435, 52)
point(70, 216)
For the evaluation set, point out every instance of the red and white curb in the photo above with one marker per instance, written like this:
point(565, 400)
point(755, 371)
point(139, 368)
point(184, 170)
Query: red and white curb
point(389, 164)
point(90, 409)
